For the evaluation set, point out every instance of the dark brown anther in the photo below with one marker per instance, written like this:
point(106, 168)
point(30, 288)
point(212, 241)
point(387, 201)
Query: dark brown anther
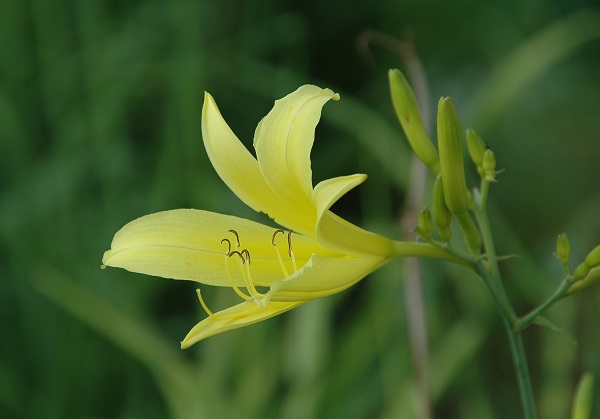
point(247, 254)
point(274, 234)
point(237, 236)
point(235, 252)
point(290, 243)
point(228, 244)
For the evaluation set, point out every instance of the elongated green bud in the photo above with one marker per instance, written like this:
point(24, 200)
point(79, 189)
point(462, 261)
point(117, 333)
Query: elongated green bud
point(584, 396)
point(425, 227)
point(453, 171)
point(407, 111)
point(476, 148)
point(563, 248)
point(441, 214)
point(591, 261)
point(451, 157)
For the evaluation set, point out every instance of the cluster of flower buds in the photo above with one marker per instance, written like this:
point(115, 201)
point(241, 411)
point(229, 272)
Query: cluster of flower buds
point(482, 156)
point(451, 196)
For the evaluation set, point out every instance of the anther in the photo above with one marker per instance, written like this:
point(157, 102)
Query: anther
point(285, 272)
point(237, 236)
point(247, 253)
point(290, 243)
point(235, 252)
point(228, 244)
point(274, 234)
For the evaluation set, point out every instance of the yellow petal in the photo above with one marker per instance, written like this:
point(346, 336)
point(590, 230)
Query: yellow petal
point(240, 171)
point(323, 276)
point(340, 235)
point(283, 141)
point(186, 244)
point(329, 191)
point(240, 315)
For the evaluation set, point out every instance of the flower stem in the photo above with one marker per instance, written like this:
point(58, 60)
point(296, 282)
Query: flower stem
point(530, 317)
point(520, 361)
point(489, 271)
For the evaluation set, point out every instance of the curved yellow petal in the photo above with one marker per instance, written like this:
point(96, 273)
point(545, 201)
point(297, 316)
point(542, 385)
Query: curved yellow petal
point(186, 244)
point(323, 276)
point(240, 315)
point(283, 141)
point(240, 171)
point(339, 235)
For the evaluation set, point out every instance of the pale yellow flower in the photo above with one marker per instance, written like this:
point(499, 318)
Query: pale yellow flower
point(272, 270)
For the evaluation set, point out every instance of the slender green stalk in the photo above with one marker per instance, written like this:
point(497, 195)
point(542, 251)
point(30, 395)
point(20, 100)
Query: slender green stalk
point(530, 317)
point(490, 273)
point(522, 370)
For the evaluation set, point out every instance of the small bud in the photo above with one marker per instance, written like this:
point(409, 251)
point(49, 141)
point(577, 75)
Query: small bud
point(441, 214)
point(563, 248)
point(489, 165)
point(592, 260)
point(407, 111)
point(476, 147)
point(581, 271)
point(425, 227)
point(584, 396)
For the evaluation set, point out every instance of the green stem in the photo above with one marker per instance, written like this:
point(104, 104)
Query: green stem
point(427, 250)
point(530, 317)
point(522, 370)
point(490, 273)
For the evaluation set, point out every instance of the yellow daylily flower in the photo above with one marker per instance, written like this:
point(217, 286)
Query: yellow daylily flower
point(272, 270)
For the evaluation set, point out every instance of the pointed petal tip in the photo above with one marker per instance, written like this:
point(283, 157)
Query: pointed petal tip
point(105, 258)
point(186, 344)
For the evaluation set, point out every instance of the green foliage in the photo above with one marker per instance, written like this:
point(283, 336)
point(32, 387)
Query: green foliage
point(100, 123)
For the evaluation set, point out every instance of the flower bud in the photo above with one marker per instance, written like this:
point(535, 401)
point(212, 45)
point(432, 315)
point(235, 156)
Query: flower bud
point(584, 396)
point(441, 214)
point(476, 147)
point(593, 258)
point(563, 248)
point(425, 227)
point(453, 172)
point(407, 111)
point(591, 261)
point(451, 157)
point(489, 165)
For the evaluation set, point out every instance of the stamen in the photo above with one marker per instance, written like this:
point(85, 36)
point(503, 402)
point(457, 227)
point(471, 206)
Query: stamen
point(237, 236)
point(250, 284)
point(204, 306)
point(210, 313)
point(290, 243)
point(291, 252)
point(274, 234)
point(247, 253)
point(228, 246)
point(237, 289)
point(235, 252)
point(245, 272)
point(285, 272)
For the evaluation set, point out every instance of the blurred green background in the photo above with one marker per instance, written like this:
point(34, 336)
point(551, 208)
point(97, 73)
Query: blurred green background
point(100, 107)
